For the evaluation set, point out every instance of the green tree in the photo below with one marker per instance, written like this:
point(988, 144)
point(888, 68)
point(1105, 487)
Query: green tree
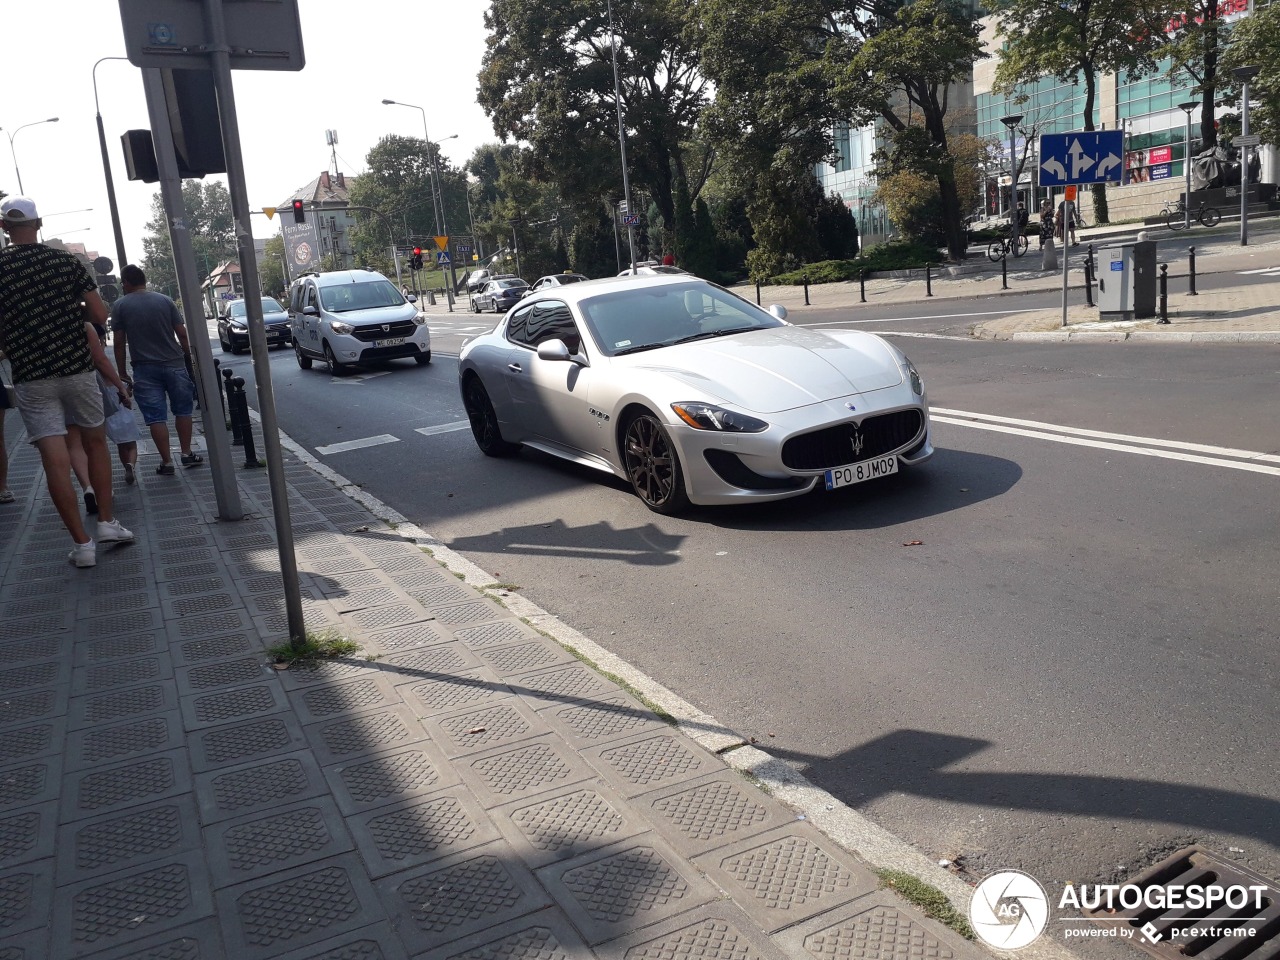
point(1083, 38)
point(1254, 42)
point(595, 253)
point(1199, 39)
point(398, 185)
point(208, 212)
point(271, 274)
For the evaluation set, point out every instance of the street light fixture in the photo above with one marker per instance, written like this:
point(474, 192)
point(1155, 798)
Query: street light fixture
point(435, 204)
point(1187, 108)
point(1012, 122)
point(16, 171)
point(1244, 75)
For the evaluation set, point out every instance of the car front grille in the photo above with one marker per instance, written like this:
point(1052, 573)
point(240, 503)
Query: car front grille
point(849, 442)
point(375, 331)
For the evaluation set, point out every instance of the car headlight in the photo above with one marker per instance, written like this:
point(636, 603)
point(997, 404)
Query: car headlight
point(420, 319)
point(340, 328)
point(707, 416)
point(917, 384)
point(240, 324)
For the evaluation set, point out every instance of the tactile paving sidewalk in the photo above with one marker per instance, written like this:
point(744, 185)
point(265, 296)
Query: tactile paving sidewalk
point(470, 790)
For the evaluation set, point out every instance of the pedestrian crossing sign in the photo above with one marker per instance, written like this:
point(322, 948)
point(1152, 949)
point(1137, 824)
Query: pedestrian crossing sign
point(442, 257)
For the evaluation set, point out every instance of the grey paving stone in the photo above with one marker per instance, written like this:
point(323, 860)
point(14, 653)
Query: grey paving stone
point(118, 648)
point(468, 614)
point(874, 928)
point(29, 676)
point(561, 685)
point(22, 785)
point(718, 931)
point(446, 693)
point(400, 565)
point(545, 935)
point(227, 793)
point(122, 604)
point(566, 823)
point(470, 731)
point(200, 603)
point(588, 723)
point(114, 705)
point(423, 573)
point(97, 677)
point(36, 740)
point(195, 585)
point(503, 633)
point(32, 944)
point(98, 790)
point(787, 875)
point(112, 743)
point(272, 583)
point(297, 908)
point(524, 657)
point(266, 841)
point(420, 831)
point(32, 606)
point(363, 734)
point(22, 708)
point(316, 616)
point(338, 565)
point(232, 672)
point(365, 597)
point(27, 834)
point(463, 895)
point(382, 618)
point(522, 770)
point(214, 648)
point(318, 673)
point(235, 743)
point(124, 907)
point(127, 838)
point(612, 891)
point(434, 594)
point(353, 696)
point(143, 622)
point(341, 584)
point(368, 783)
point(37, 588)
point(374, 942)
point(405, 637)
point(195, 941)
point(700, 815)
point(26, 893)
point(427, 663)
point(209, 624)
point(235, 703)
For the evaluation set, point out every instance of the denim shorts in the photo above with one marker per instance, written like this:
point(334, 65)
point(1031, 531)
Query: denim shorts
point(47, 406)
point(154, 382)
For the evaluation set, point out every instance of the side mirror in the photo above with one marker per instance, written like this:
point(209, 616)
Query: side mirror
point(778, 310)
point(411, 298)
point(553, 350)
point(311, 311)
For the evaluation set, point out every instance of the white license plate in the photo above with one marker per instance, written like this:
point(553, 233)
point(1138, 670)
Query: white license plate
point(393, 342)
point(857, 472)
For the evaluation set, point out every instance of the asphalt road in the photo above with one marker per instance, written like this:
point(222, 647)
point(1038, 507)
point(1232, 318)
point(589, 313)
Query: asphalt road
point(1074, 671)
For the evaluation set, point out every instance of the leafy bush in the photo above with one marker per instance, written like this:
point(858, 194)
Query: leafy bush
point(895, 255)
point(987, 235)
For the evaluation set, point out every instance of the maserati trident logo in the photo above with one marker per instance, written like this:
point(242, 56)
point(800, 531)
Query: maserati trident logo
point(855, 439)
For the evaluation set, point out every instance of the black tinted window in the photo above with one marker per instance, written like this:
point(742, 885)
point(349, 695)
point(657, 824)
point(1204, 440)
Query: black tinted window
point(516, 331)
point(551, 320)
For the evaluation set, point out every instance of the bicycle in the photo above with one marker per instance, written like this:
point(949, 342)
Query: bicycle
point(999, 249)
point(1175, 215)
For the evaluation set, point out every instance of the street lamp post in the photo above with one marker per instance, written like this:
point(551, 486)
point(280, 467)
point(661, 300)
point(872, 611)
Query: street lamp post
point(1244, 75)
point(106, 170)
point(16, 171)
point(622, 137)
point(1187, 108)
point(1012, 122)
point(435, 206)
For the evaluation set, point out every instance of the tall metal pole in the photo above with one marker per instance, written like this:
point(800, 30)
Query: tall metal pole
point(1244, 75)
point(1186, 165)
point(220, 61)
point(1068, 209)
point(1012, 123)
point(226, 493)
point(121, 260)
point(622, 136)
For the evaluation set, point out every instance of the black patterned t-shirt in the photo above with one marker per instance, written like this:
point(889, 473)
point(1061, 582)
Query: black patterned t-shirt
point(41, 322)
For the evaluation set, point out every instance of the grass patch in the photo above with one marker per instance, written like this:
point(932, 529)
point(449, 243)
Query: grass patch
point(323, 645)
point(895, 255)
point(928, 898)
point(511, 587)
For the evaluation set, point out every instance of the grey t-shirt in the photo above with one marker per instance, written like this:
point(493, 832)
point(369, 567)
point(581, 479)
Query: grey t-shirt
point(148, 320)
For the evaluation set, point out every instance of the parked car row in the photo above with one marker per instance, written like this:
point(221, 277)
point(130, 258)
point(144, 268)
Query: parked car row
point(497, 293)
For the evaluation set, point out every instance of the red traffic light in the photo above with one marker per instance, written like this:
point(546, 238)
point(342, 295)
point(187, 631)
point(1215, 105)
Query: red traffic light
point(417, 251)
point(299, 212)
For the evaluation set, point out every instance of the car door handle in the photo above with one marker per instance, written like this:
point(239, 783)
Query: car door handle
point(515, 368)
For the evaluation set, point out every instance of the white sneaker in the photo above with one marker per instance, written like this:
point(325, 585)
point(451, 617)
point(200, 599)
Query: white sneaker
point(84, 554)
point(113, 531)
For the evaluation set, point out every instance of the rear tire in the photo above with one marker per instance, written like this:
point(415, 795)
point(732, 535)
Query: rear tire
point(1210, 217)
point(304, 362)
point(995, 251)
point(653, 466)
point(484, 421)
point(1177, 220)
point(1022, 245)
point(226, 347)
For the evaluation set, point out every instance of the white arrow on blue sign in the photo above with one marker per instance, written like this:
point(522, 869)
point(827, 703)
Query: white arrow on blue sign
point(1085, 156)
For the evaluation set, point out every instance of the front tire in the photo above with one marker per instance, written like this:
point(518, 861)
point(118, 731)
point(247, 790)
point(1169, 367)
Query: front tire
point(422, 359)
point(653, 466)
point(1210, 217)
point(484, 420)
point(335, 368)
point(1022, 245)
point(304, 362)
point(1177, 220)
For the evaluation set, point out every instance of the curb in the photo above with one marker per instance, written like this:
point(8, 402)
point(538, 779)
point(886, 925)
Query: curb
point(1144, 336)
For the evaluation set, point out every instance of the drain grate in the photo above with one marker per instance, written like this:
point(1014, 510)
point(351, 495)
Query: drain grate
point(1216, 932)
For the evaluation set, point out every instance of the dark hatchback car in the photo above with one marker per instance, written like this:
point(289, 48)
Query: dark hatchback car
point(233, 325)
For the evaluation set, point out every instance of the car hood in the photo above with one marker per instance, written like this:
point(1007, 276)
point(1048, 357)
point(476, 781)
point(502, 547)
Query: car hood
point(375, 315)
point(274, 316)
point(781, 368)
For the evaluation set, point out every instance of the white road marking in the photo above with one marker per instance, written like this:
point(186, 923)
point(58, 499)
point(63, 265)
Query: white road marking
point(357, 444)
point(1270, 271)
point(444, 428)
point(1251, 460)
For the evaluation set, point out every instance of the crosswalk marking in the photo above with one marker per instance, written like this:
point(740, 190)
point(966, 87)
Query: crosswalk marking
point(444, 428)
point(1269, 271)
point(357, 444)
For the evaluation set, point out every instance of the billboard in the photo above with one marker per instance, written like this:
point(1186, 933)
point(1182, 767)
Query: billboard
point(1142, 166)
point(301, 247)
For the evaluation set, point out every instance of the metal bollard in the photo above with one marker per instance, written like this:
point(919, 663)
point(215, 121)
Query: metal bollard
point(246, 425)
point(222, 401)
point(1191, 271)
point(1164, 293)
point(1004, 272)
point(862, 286)
point(1088, 276)
point(806, 289)
point(757, 293)
point(233, 412)
point(928, 279)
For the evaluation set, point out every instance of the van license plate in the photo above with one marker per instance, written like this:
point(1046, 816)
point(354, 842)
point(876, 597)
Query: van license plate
point(393, 342)
point(857, 472)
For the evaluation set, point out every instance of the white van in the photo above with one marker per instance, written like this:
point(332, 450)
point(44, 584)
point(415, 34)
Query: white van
point(345, 317)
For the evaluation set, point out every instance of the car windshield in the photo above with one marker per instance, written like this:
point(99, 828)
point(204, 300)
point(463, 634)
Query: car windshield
point(649, 317)
point(269, 305)
point(345, 297)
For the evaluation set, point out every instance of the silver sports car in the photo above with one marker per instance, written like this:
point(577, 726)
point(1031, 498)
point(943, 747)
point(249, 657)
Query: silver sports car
point(692, 394)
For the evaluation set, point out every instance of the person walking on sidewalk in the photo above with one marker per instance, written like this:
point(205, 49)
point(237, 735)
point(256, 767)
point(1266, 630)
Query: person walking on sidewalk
point(47, 300)
point(152, 329)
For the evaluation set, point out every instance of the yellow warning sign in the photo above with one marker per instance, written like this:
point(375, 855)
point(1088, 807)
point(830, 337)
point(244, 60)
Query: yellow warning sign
point(442, 243)
point(269, 211)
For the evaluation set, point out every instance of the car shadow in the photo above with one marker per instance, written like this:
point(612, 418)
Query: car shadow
point(642, 545)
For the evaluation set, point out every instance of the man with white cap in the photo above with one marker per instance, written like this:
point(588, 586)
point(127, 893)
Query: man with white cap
point(46, 300)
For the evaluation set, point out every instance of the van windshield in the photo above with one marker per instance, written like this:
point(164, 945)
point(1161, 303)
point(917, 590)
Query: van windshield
point(345, 297)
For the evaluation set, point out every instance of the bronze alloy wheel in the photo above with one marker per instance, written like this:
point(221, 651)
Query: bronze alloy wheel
point(653, 466)
point(484, 421)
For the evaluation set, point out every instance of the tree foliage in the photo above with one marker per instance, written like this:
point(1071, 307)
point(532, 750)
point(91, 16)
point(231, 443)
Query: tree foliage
point(1254, 42)
point(208, 213)
point(271, 275)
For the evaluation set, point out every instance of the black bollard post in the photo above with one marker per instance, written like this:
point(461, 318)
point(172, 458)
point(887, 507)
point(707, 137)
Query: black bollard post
point(928, 279)
point(806, 289)
point(233, 405)
point(1164, 293)
point(757, 293)
point(1004, 272)
point(222, 401)
point(1088, 276)
point(1191, 271)
point(862, 286)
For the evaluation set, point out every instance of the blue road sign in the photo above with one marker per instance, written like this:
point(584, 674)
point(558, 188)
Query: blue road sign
point(1085, 156)
point(442, 258)
point(631, 220)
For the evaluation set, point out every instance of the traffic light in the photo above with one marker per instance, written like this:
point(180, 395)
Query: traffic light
point(299, 212)
point(416, 262)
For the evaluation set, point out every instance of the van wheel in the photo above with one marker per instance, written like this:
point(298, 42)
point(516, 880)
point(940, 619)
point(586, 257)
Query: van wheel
point(304, 362)
point(422, 359)
point(336, 368)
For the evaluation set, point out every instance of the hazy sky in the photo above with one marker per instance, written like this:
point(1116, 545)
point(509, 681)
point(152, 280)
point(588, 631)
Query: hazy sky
point(357, 54)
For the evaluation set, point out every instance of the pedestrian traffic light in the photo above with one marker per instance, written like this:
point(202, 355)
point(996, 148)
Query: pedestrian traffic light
point(299, 212)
